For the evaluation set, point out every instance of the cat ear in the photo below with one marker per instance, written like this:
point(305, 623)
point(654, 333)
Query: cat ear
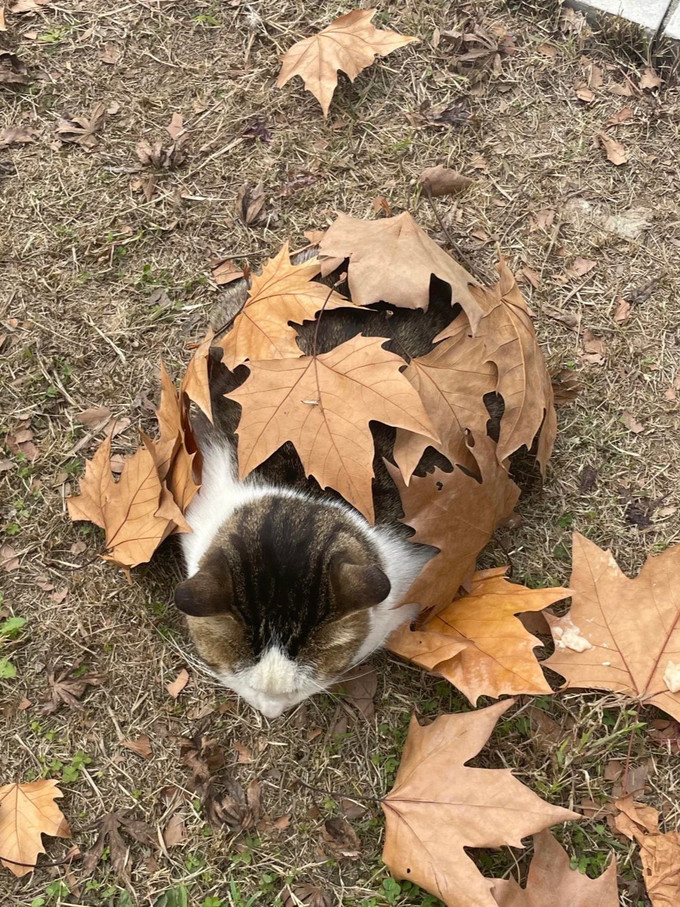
point(357, 586)
point(204, 594)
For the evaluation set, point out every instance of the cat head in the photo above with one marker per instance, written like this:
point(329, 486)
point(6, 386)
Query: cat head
point(281, 602)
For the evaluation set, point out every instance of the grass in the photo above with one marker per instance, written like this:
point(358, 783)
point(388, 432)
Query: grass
point(83, 249)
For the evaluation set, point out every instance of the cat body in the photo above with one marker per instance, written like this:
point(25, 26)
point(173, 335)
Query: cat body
point(287, 585)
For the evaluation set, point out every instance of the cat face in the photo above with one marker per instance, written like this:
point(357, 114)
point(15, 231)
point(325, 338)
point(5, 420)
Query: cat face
point(284, 600)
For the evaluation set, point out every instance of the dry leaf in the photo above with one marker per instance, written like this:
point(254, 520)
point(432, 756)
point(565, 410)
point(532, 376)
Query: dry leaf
point(324, 405)
point(340, 839)
point(196, 383)
point(250, 204)
point(175, 831)
point(614, 150)
point(632, 423)
point(12, 70)
point(392, 259)
point(552, 881)
point(308, 895)
point(109, 827)
point(16, 135)
point(65, 689)
point(542, 220)
point(244, 754)
point(81, 130)
point(176, 126)
point(226, 272)
point(225, 802)
point(435, 790)
point(441, 180)
point(3, 26)
point(360, 684)
point(594, 348)
point(650, 79)
point(28, 811)
point(8, 558)
point(350, 43)
point(451, 382)
point(29, 6)
point(580, 267)
point(478, 643)
point(523, 380)
point(111, 54)
point(621, 634)
point(622, 116)
point(137, 512)
point(660, 853)
point(177, 685)
point(141, 745)
point(623, 310)
point(95, 416)
point(456, 514)
point(282, 294)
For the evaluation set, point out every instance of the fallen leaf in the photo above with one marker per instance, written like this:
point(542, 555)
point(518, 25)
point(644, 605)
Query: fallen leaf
point(454, 513)
point(244, 754)
point(621, 634)
point(477, 807)
point(250, 204)
point(95, 416)
point(225, 802)
point(8, 558)
point(177, 685)
point(109, 827)
point(16, 135)
point(478, 643)
point(3, 26)
point(580, 267)
point(566, 386)
point(360, 684)
point(594, 348)
point(137, 512)
point(141, 745)
point(175, 128)
point(111, 54)
point(621, 116)
point(441, 180)
point(340, 839)
point(583, 93)
point(659, 853)
point(28, 6)
point(82, 130)
point(257, 130)
point(650, 79)
point(308, 895)
point(614, 150)
point(632, 423)
point(196, 382)
point(282, 294)
point(28, 811)
point(552, 881)
point(175, 831)
point(350, 44)
point(392, 259)
point(542, 220)
point(65, 689)
point(13, 71)
point(226, 272)
point(314, 236)
point(623, 310)
point(324, 405)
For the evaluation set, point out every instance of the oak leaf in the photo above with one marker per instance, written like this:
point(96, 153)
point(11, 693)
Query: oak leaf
point(350, 43)
point(324, 405)
point(282, 294)
point(393, 260)
point(28, 811)
point(621, 634)
point(451, 381)
point(552, 881)
point(523, 380)
point(137, 512)
point(491, 652)
point(439, 806)
point(659, 853)
point(456, 514)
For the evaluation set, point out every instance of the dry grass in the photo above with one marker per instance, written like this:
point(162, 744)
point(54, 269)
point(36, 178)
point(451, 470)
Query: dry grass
point(83, 256)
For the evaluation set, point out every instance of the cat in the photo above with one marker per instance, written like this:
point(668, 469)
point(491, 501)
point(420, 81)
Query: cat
point(287, 585)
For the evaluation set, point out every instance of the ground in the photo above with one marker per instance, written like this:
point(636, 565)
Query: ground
point(97, 282)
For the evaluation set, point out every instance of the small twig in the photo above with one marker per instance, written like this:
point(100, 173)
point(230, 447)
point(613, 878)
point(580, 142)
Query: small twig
point(451, 241)
point(335, 795)
point(630, 748)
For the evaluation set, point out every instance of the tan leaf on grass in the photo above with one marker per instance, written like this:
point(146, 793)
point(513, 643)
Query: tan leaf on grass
point(451, 382)
point(195, 383)
point(439, 806)
point(360, 684)
point(16, 135)
point(81, 130)
point(523, 380)
point(456, 514)
point(614, 150)
point(324, 405)
point(137, 512)
point(28, 811)
point(660, 853)
point(226, 272)
point(3, 26)
point(9, 559)
point(28, 6)
point(552, 881)
point(142, 746)
point(442, 180)
point(650, 79)
point(392, 259)
point(350, 44)
point(621, 634)
point(176, 686)
point(491, 653)
point(281, 294)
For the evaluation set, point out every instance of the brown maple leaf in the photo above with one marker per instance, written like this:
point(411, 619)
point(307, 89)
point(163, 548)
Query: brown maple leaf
point(455, 513)
point(82, 130)
point(109, 827)
point(137, 512)
point(523, 380)
point(621, 634)
point(360, 684)
point(65, 689)
point(324, 405)
point(451, 381)
point(196, 381)
point(552, 881)
point(478, 643)
point(393, 260)
point(308, 895)
point(659, 853)
point(340, 839)
point(282, 294)
point(28, 811)
point(350, 43)
point(435, 791)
